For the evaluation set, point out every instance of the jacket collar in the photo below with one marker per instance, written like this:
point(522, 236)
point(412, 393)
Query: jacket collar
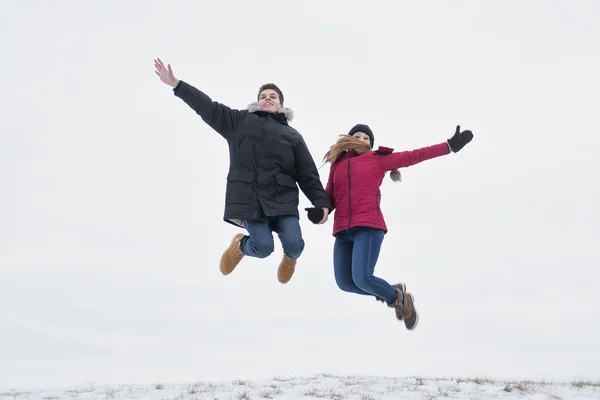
point(381, 150)
point(284, 114)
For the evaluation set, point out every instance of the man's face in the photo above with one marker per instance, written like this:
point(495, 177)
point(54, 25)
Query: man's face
point(269, 100)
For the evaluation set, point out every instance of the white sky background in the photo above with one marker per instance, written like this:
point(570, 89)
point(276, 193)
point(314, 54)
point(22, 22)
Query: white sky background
point(111, 224)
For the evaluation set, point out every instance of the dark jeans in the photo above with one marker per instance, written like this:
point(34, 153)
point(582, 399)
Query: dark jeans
point(259, 241)
point(355, 254)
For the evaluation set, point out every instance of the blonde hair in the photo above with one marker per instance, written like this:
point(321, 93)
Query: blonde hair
point(348, 142)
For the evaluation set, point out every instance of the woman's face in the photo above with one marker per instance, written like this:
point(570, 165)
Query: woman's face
point(362, 136)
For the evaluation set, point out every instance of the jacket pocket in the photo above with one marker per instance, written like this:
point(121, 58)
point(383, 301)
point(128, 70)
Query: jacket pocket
point(240, 187)
point(286, 190)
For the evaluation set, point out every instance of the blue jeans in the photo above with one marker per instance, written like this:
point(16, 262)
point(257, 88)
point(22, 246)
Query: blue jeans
point(355, 254)
point(259, 241)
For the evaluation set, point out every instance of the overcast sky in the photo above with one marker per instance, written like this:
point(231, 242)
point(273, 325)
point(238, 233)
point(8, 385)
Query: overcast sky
point(112, 198)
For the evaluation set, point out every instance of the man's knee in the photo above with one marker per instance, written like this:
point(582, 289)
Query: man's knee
point(262, 248)
point(293, 248)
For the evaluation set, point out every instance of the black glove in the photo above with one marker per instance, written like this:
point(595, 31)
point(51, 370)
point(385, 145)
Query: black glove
point(460, 139)
point(315, 214)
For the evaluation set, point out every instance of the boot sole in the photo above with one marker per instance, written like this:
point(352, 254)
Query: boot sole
point(412, 298)
point(229, 254)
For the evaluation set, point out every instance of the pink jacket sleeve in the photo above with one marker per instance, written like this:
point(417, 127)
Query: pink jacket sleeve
point(329, 187)
point(402, 159)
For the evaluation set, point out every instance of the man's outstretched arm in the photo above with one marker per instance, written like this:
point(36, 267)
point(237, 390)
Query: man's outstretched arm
point(218, 116)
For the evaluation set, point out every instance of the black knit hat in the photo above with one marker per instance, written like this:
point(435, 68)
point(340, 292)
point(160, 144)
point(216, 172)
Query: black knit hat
point(363, 128)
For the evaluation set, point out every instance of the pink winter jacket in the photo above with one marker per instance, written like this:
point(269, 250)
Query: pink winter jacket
point(354, 181)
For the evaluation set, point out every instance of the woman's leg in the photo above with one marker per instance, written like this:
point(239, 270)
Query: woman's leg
point(342, 264)
point(367, 244)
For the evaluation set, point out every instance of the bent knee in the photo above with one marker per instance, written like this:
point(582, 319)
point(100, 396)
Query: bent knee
point(262, 249)
point(362, 281)
point(345, 283)
point(345, 286)
point(294, 249)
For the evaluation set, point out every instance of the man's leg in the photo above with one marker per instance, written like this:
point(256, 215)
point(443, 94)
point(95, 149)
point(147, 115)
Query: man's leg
point(258, 243)
point(342, 264)
point(290, 235)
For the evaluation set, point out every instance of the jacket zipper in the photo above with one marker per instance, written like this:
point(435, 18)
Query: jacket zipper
point(349, 203)
point(256, 160)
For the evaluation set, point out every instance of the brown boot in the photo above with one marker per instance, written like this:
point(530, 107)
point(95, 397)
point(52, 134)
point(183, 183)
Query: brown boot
point(232, 256)
point(405, 309)
point(411, 320)
point(401, 288)
point(286, 269)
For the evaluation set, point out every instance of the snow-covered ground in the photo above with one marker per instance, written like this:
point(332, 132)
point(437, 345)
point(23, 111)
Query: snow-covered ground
point(325, 386)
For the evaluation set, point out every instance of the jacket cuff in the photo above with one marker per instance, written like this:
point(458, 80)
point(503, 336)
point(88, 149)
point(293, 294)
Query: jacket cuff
point(177, 87)
point(324, 204)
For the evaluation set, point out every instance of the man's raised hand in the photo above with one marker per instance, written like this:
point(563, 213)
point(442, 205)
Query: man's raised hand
point(165, 73)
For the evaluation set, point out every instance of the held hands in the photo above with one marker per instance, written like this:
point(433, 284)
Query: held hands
point(459, 140)
point(317, 215)
point(165, 73)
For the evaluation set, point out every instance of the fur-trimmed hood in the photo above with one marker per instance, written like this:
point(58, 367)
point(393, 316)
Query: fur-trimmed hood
point(287, 112)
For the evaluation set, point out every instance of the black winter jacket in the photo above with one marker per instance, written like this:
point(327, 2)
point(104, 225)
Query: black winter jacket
point(267, 157)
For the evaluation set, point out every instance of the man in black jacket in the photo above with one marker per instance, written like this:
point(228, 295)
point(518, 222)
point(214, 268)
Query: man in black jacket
point(267, 159)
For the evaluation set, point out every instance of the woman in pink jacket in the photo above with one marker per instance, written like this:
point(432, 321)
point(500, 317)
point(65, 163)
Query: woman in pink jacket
point(355, 176)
